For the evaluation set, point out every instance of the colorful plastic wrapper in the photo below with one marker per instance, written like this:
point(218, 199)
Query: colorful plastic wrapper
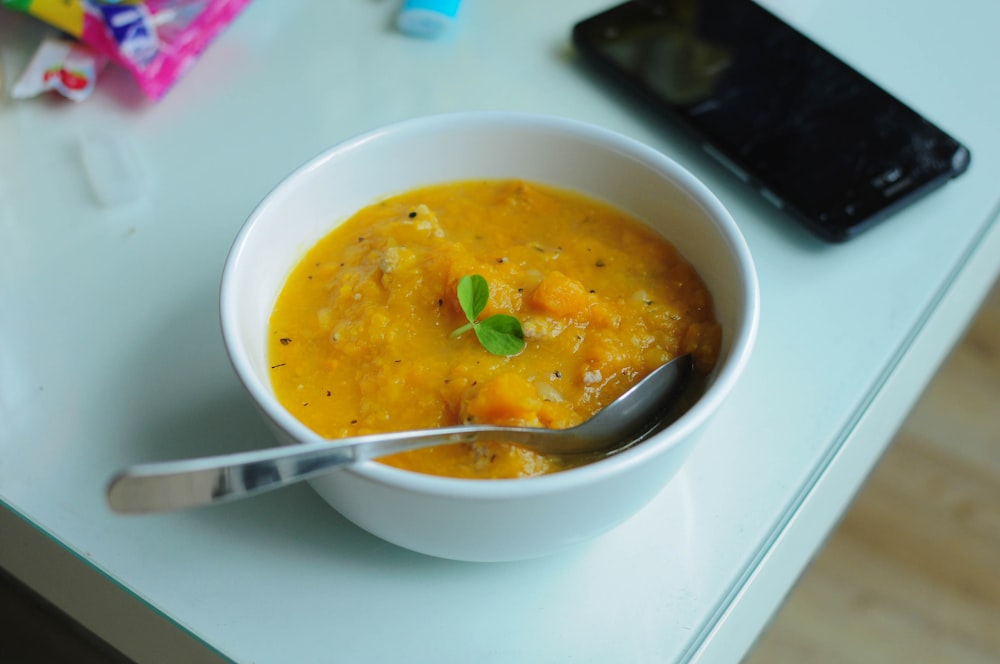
point(66, 66)
point(157, 41)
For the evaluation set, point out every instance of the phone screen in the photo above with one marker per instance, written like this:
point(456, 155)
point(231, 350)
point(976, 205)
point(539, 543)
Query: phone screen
point(812, 133)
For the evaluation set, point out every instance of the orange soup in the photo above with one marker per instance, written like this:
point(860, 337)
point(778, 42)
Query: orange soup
point(361, 334)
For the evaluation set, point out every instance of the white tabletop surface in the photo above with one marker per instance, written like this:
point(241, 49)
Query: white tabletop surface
point(110, 351)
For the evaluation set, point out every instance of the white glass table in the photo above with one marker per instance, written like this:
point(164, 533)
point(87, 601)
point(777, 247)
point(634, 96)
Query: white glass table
point(110, 351)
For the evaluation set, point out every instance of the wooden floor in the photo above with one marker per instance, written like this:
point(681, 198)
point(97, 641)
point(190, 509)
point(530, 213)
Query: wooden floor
point(912, 573)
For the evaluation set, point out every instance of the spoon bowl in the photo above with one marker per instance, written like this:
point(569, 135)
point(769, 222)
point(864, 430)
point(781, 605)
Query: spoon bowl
point(172, 485)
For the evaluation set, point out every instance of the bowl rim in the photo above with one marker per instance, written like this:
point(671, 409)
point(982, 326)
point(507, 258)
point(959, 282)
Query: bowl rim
point(744, 334)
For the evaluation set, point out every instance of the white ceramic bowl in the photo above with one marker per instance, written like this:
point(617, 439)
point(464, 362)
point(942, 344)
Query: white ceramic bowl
point(490, 520)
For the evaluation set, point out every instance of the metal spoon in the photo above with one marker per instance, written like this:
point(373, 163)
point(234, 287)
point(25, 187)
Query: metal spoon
point(172, 485)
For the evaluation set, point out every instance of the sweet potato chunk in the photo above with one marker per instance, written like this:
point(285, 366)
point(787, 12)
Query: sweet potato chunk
point(560, 295)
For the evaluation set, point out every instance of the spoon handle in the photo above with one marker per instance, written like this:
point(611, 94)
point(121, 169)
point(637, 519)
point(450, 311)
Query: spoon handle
point(175, 485)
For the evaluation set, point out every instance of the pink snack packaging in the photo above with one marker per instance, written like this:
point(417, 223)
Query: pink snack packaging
point(157, 41)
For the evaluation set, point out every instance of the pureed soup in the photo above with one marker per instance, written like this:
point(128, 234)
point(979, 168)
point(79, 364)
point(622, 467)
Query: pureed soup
point(361, 335)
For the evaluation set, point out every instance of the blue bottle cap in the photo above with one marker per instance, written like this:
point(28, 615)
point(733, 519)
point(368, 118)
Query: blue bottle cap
point(427, 18)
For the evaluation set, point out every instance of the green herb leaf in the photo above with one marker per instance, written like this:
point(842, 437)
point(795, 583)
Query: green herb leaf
point(500, 334)
point(473, 294)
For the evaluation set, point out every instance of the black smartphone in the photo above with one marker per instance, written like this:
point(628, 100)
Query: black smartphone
point(811, 133)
